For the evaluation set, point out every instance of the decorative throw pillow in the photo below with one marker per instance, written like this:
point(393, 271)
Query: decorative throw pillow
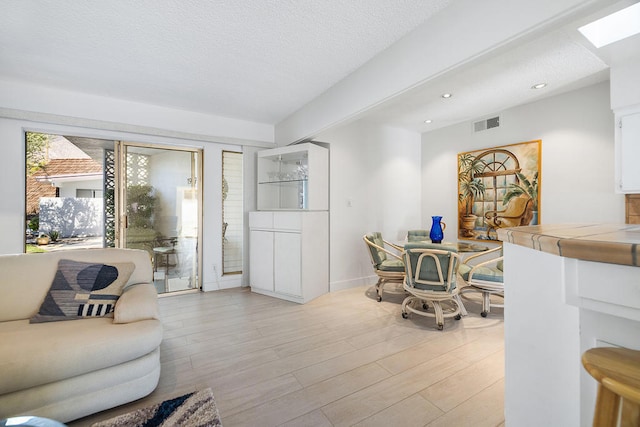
point(83, 289)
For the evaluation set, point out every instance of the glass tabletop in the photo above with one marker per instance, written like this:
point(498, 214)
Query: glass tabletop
point(471, 247)
point(462, 246)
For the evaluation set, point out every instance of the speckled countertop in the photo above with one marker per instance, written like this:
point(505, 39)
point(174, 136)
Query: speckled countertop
point(611, 243)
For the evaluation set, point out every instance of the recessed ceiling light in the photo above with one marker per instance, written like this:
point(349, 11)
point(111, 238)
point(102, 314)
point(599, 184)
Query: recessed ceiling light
point(428, 121)
point(539, 86)
point(446, 95)
point(617, 26)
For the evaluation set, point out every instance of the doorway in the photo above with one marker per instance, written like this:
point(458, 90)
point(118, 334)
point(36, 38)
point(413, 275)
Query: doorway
point(161, 210)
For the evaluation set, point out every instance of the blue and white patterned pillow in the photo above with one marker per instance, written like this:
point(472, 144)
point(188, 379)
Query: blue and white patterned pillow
point(83, 289)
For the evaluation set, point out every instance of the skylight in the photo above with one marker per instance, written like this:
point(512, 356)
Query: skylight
point(612, 28)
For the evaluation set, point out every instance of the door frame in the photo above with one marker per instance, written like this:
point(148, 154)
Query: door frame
point(197, 169)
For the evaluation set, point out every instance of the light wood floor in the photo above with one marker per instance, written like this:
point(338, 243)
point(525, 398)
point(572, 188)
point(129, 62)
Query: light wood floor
point(341, 360)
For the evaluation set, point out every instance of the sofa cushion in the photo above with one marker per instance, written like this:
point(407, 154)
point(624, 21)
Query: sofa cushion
point(41, 353)
point(83, 289)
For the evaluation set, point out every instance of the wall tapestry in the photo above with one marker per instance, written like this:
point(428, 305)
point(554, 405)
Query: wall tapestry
point(498, 187)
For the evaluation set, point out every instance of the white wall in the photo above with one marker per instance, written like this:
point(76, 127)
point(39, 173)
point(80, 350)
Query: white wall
point(52, 105)
point(249, 176)
point(168, 175)
point(577, 179)
point(375, 170)
point(68, 189)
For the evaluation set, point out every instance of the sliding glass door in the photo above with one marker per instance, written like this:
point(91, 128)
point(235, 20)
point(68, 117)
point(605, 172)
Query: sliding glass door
point(160, 211)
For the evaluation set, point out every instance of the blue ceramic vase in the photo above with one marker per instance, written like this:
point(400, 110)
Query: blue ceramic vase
point(437, 229)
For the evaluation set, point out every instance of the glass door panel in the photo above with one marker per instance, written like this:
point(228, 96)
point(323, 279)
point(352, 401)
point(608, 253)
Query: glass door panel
point(161, 211)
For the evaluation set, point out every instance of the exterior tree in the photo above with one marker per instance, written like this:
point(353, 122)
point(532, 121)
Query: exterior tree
point(37, 144)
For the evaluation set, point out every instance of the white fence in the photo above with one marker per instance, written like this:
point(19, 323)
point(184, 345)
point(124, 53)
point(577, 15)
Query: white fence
point(71, 216)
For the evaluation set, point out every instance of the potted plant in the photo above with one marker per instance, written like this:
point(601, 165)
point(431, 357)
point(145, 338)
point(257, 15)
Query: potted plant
point(524, 187)
point(470, 188)
point(34, 225)
point(141, 203)
point(141, 208)
point(54, 235)
point(43, 239)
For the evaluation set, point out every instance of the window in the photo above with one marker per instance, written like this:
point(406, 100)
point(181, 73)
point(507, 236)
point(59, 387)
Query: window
point(88, 194)
point(498, 172)
point(232, 212)
point(64, 193)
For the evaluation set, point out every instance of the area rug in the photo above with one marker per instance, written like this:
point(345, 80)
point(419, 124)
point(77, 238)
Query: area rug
point(197, 409)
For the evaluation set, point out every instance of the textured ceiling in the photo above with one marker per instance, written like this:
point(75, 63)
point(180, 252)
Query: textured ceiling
point(257, 60)
point(496, 83)
point(262, 60)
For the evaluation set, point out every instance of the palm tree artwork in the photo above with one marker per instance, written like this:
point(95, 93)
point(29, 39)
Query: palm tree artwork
point(500, 184)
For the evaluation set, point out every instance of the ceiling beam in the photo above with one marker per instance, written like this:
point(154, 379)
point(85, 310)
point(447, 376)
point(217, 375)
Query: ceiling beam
point(463, 32)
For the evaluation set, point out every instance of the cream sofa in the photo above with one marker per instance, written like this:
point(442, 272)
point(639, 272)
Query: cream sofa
point(68, 369)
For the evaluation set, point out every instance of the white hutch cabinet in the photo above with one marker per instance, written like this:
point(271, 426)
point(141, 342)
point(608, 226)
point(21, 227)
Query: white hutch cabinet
point(289, 234)
point(293, 178)
point(289, 254)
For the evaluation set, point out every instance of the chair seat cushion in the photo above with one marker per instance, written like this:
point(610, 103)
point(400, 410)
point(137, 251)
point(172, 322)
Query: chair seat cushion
point(165, 250)
point(391, 265)
point(436, 288)
point(488, 274)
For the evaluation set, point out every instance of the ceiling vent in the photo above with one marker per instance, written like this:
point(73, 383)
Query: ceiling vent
point(491, 123)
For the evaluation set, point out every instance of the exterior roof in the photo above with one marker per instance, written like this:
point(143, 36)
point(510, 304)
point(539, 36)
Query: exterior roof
point(38, 187)
point(57, 167)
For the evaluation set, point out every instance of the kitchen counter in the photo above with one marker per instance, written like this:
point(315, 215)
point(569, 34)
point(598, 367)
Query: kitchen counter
point(610, 243)
point(568, 288)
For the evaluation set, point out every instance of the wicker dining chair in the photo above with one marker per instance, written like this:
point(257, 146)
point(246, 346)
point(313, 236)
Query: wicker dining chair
point(386, 259)
point(431, 273)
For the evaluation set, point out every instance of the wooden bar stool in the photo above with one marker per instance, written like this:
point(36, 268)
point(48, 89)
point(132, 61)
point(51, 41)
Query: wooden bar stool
point(617, 371)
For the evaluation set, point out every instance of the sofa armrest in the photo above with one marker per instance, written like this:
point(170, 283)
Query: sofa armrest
point(137, 302)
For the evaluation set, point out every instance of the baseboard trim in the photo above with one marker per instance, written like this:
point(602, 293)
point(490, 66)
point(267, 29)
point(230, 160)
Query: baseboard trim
point(352, 283)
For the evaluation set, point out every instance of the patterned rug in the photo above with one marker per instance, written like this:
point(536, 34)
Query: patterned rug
point(197, 409)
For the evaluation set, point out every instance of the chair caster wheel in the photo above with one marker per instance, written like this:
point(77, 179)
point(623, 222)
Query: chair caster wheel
point(379, 298)
point(458, 317)
point(440, 326)
point(483, 314)
point(405, 315)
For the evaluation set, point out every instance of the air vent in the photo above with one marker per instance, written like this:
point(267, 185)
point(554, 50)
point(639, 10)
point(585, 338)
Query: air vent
point(491, 123)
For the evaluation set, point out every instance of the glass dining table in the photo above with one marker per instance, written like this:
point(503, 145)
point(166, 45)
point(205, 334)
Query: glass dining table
point(471, 247)
point(462, 246)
